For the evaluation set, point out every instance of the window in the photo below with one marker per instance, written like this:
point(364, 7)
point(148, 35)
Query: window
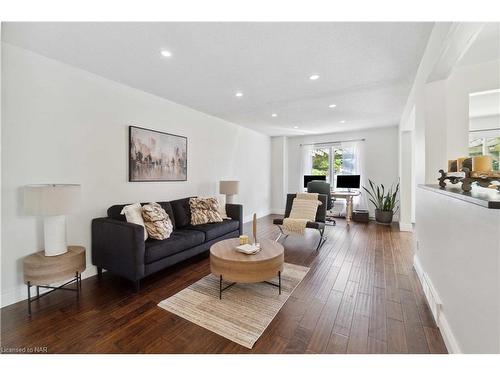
point(323, 164)
point(485, 143)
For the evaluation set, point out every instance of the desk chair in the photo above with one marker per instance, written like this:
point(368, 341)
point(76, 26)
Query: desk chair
point(322, 187)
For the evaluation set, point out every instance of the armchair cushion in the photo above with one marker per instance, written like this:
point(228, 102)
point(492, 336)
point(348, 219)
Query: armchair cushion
point(310, 224)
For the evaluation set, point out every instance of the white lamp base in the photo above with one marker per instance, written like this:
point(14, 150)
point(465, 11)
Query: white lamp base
point(54, 228)
point(230, 198)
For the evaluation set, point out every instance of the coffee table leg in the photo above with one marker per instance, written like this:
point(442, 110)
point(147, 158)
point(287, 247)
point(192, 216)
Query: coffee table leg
point(29, 298)
point(220, 287)
point(279, 281)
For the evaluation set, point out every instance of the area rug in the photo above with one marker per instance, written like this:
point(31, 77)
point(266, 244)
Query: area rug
point(245, 310)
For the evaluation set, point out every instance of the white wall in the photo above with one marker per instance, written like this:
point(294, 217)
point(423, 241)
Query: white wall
point(64, 125)
point(462, 82)
point(381, 153)
point(279, 175)
point(458, 254)
point(439, 98)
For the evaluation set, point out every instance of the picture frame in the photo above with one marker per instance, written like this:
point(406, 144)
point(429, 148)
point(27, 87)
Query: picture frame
point(155, 156)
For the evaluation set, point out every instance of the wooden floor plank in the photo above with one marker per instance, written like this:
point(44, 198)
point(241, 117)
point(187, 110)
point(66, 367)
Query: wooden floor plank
point(361, 295)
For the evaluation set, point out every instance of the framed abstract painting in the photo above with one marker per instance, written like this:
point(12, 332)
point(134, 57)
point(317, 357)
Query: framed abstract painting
point(156, 156)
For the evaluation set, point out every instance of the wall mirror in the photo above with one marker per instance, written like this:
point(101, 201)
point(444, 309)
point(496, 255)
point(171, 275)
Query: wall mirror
point(484, 125)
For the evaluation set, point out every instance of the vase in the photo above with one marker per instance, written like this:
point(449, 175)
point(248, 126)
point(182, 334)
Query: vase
point(383, 217)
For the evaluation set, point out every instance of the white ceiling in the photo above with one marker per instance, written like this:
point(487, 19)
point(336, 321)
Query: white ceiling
point(365, 68)
point(486, 47)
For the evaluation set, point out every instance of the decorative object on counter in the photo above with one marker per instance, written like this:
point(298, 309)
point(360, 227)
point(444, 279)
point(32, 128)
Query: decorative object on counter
point(229, 189)
point(452, 166)
point(385, 202)
point(40, 271)
point(243, 239)
point(52, 201)
point(482, 163)
point(477, 169)
point(453, 177)
point(464, 162)
point(483, 179)
point(255, 229)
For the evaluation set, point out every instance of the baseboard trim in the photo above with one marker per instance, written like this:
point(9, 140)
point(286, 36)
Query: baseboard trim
point(260, 214)
point(436, 308)
point(20, 293)
point(405, 227)
point(277, 211)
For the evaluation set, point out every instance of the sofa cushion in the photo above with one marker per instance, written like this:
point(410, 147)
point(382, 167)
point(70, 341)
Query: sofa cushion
point(114, 211)
point(178, 241)
point(214, 230)
point(181, 212)
point(156, 221)
point(204, 211)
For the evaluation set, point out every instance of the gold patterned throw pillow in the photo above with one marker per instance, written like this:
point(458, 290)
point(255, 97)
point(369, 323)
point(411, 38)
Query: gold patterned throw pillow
point(204, 210)
point(156, 221)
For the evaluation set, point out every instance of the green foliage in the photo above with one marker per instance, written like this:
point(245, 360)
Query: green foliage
point(382, 200)
point(320, 163)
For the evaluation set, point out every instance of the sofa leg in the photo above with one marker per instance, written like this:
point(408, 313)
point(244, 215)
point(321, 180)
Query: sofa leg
point(137, 286)
point(99, 273)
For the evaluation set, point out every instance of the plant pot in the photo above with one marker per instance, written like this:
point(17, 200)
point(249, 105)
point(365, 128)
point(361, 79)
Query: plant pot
point(383, 217)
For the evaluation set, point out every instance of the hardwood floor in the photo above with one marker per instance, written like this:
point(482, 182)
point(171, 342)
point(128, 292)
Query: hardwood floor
point(360, 296)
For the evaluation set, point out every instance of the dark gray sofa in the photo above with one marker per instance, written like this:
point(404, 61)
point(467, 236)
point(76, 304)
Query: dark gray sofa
point(119, 247)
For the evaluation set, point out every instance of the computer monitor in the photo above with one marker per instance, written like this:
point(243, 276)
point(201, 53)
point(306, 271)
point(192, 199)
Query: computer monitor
point(309, 178)
point(348, 181)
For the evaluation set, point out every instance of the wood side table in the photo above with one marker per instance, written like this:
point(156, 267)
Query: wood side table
point(41, 270)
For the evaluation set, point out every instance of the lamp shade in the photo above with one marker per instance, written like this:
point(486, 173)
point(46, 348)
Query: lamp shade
point(229, 187)
point(51, 200)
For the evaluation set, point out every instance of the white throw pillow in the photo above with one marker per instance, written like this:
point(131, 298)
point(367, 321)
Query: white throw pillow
point(222, 207)
point(133, 214)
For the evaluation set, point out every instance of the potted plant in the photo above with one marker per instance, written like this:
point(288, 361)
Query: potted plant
point(385, 202)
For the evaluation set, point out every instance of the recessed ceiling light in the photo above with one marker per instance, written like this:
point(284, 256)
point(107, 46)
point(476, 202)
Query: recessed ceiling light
point(332, 105)
point(314, 77)
point(295, 127)
point(166, 53)
point(274, 115)
point(342, 121)
point(239, 94)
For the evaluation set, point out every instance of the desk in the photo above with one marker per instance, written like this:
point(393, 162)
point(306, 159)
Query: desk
point(347, 195)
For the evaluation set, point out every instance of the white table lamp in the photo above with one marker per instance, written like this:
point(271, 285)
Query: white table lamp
point(53, 202)
point(229, 189)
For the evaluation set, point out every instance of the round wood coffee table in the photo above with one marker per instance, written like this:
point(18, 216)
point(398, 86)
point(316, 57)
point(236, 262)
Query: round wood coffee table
point(235, 267)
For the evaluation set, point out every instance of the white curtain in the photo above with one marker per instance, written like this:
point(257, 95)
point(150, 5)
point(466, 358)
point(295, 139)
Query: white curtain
point(306, 164)
point(357, 151)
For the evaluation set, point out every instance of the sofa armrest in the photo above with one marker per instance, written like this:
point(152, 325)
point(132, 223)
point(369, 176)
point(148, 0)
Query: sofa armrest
point(235, 212)
point(118, 246)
